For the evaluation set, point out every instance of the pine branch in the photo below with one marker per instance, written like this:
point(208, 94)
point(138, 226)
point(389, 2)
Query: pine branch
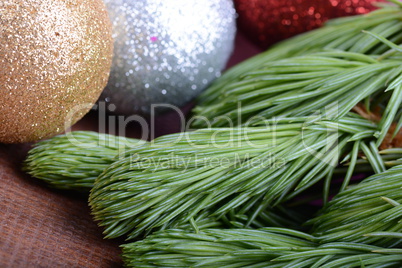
point(341, 33)
point(62, 162)
point(374, 205)
point(266, 247)
point(280, 90)
point(360, 227)
point(217, 170)
point(74, 160)
point(256, 85)
point(66, 164)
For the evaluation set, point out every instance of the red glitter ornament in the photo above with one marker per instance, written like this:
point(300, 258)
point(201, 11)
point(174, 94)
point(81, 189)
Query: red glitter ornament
point(268, 21)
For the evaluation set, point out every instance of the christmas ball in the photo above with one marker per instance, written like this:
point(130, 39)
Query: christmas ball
point(166, 51)
point(55, 58)
point(266, 22)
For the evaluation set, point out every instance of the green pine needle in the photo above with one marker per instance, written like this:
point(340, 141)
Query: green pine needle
point(170, 181)
point(368, 207)
point(298, 86)
point(272, 83)
point(266, 247)
point(74, 160)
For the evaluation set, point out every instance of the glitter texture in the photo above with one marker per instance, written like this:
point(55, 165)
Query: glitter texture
point(269, 21)
point(167, 51)
point(55, 56)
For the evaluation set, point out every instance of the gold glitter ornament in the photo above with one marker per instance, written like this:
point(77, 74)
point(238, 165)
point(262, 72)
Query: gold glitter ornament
point(55, 58)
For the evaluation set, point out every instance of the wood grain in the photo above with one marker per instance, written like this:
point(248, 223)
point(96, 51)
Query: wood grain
point(43, 227)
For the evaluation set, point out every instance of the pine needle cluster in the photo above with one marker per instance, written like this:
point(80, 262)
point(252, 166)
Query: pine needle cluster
point(74, 160)
point(262, 83)
point(358, 228)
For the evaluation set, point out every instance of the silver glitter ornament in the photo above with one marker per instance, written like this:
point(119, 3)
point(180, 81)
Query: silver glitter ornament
point(166, 51)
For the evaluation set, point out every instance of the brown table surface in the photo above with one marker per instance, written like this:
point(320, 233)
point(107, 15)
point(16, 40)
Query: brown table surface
point(43, 227)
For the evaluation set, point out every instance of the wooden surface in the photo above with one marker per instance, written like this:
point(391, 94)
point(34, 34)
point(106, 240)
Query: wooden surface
point(42, 227)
